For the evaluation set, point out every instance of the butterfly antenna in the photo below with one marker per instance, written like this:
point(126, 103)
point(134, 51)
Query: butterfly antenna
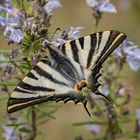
point(57, 29)
point(84, 104)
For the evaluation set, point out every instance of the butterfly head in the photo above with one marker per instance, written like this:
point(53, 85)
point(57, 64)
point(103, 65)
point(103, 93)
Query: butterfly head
point(81, 86)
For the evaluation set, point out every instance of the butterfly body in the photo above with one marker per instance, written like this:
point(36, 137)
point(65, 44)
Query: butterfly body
point(68, 72)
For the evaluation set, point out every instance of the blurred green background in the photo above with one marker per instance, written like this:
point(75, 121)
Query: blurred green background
point(77, 13)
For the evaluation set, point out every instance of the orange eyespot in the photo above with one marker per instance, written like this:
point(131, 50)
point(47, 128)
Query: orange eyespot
point(78, 87)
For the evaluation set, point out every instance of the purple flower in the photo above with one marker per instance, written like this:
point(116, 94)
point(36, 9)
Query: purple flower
point(125, 90)
point(9, 133)
point(4, 3)
point(34, 59)
point(104, 90)
point(94, 128)
point(58, 39)
point(14, 14)
point(121, 90)
point(12, 22)
point(14, 17)
point(8, 70)
point(50, 5)
point(137, 126)
point(74, 32)
point(138, 113)
point(6, 7)
point(28, 21)
point(2, 57)
point(102, 6)
point(133, 61)
point(15, 133)
point(132, 53)
point(58, 42)
point(2, 21)
point(15, 35)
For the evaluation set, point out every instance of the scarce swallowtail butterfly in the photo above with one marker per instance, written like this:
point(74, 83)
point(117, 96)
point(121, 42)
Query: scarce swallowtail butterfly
point(67, 73)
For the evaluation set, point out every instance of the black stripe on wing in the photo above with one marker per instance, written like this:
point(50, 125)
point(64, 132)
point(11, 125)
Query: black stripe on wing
point(17, 89)
point(63, 49)
point(92, 49)
point(47, 75)
point(74, 51)
point(16, 104)
point(34, 88)
point(114, 40)
point(97, 45)
point(64, 66)
point(31, 75)
point(111, 38)
point(99, 38)
point(81, 41)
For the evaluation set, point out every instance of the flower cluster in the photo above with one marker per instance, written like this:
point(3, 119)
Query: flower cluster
point(61, 38)
point(99, 7)
point(8, 69)
point(131, 53)
point(50, 5)
point(137, 127)
point(14, 20)
point(13, 132)
point(11, 20)
point(94, 128)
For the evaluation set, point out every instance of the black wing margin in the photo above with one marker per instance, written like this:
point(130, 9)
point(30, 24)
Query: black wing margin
point(114, 40)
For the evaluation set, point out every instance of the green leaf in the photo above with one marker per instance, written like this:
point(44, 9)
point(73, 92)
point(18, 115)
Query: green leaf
point(3, 98)
point(10, 60)
point(90, 122)
point(24, 130)
point(47, 114)
point(4, 51)
point(8, 83)
point(16, 124)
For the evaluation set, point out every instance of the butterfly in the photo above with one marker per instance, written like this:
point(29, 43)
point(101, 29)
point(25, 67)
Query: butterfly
point(68, 73)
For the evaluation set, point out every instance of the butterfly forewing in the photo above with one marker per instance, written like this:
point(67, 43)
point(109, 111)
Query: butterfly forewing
point(55, 76)
point(89, 50)
point(114, 40)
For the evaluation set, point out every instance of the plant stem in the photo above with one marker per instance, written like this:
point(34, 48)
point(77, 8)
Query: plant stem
point(33, 125)
point(112, 119)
